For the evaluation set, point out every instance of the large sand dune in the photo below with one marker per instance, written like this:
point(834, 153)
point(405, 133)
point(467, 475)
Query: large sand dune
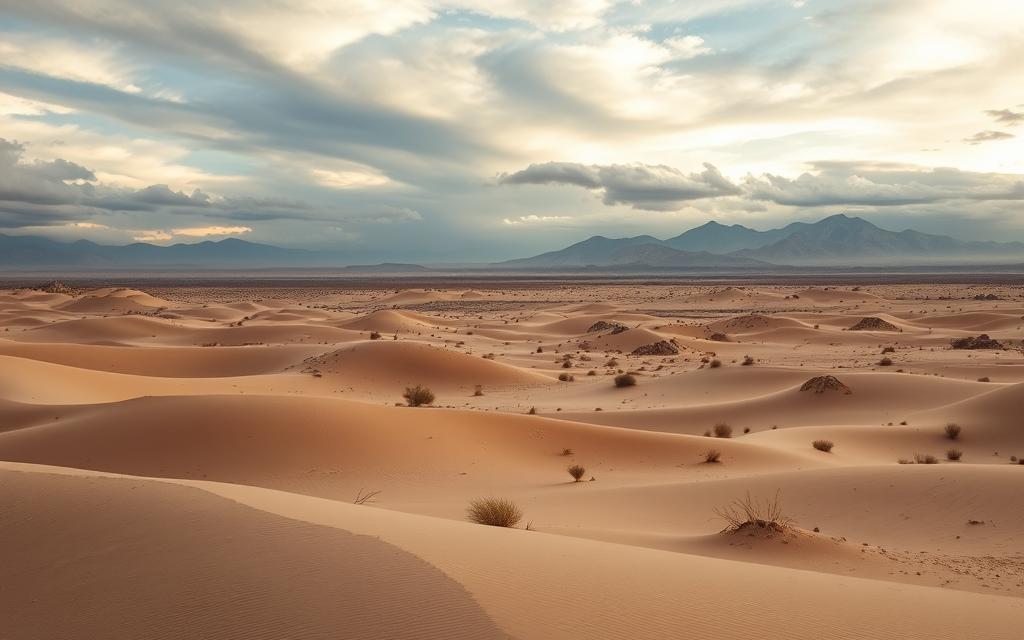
point(183, 462)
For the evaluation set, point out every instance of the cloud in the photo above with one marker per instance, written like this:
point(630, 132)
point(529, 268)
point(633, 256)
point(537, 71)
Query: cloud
point(988, 136)
point(203, 232)
point(534, 219)
point(649, 187)
point(1006, 116)
point(882, 185)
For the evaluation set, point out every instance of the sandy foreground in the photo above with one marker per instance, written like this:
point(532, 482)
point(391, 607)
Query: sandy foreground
point(186, 462)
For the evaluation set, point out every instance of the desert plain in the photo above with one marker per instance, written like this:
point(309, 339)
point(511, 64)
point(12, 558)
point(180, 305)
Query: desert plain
point(241, 461)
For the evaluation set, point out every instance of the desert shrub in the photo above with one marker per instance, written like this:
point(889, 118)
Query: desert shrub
point(952, 431)
point(722, 430)
point(565, 377)
point(984, 379)
point(889, 350)
point(566, 452)
point(823, 445)
point(925, 458)
point(905, 461)
point(567, 364)
point(374, 335)
point(540, 349)
point(532, 411)
point(576, 471)
point(747, 513)
point(712, 455)
point(418, 395)
point(625, 380)
point(591, 373)
point(707, 434)
point(953, 455)
point(747, 361)
point(885, 362)
point(495, 512)
point(478, 390)
point(715, 363)
point(746, 429)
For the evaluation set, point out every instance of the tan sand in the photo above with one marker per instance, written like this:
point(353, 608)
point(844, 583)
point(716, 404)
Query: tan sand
point(182, 462)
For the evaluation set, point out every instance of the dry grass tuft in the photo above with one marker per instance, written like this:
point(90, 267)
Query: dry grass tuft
point(823, 445)
point(418, 395)
point(748, 513)
point(494, 512)
point(722, 430)
point(714, 364)
point(953, 455)
point(625, 380)
point(925, 458)
point(576, 471)
point(712, 455)
point(363, 497)
point(952, 431)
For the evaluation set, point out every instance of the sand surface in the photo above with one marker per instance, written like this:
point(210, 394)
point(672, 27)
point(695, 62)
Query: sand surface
point(185, 462)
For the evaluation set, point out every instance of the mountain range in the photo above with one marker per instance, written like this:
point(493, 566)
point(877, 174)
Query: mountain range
point(833, 241)
point(838, 240)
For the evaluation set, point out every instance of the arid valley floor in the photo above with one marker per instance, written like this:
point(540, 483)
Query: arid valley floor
point(185, 462)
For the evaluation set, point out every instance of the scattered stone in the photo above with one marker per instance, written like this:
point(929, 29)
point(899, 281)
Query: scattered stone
point(874, 324)
point(979, 342)
point(612, 327)
point(821, 384)
point(660, 348)
point(57, 287)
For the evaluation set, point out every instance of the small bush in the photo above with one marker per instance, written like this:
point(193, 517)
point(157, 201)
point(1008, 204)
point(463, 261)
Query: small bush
point(374, 335)
point(707, 434)
point(888, 350)
point(747, 361)
point(722, 430)
point(748, 513)
point(952, 431)
point(532, 411)
point(885, 362)
point(953, 455)
point(416, 396)
point(495, 512)
point(823, 445)
point(478, 390)
point(925, 458)
point(625, 380)
point(984, 379)
point(576, 471)
point(712, 455)
point(565, 377)
point(715, 363)
point(905, 461)
point(566, 452)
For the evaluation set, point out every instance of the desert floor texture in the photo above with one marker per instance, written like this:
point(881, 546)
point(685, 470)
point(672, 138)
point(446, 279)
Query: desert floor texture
point(185, 462)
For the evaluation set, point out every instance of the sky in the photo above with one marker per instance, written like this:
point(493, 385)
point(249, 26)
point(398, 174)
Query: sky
point(473, 130)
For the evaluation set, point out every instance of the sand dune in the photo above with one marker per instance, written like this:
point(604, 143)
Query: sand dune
point(391, 365)
point(217, 437)
point(155, 560)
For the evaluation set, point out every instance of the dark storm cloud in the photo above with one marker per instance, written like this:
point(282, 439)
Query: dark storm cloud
point(650, 187)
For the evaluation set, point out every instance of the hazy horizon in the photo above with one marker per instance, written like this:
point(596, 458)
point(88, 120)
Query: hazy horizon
point(443, 131)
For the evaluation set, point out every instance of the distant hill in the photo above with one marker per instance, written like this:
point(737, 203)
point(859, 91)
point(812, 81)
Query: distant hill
point(838, 240)
point(33, 252)
point(639, 251)
point(718, 238)
point(841, 239)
